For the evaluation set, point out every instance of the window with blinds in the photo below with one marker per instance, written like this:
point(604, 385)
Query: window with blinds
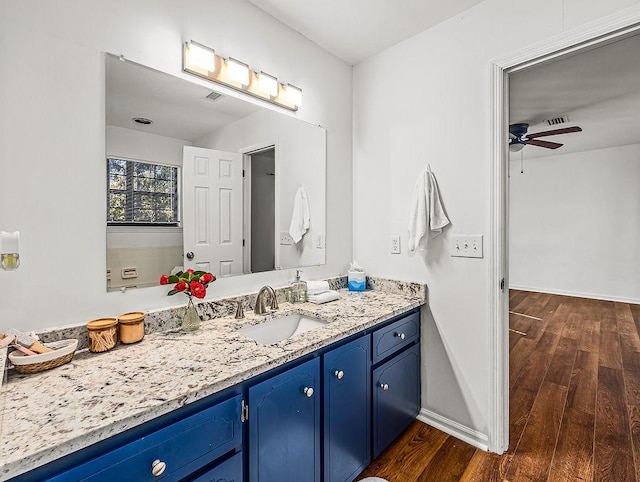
point(141, 193)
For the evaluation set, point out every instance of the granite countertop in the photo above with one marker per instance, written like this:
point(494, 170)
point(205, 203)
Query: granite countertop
point(96, 396)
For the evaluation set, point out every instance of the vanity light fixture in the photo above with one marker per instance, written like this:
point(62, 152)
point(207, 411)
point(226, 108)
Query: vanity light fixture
point(294, 94)
point(202, 61)
point(202, 56)
point(238, 71)
point(9, 250)
point(268, 84)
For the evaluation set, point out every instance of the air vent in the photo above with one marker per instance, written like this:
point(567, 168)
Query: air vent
point(143, 120)
point(214, 95)
point(557, 120)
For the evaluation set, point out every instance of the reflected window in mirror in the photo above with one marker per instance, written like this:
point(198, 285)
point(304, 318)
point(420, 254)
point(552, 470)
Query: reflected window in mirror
point(141, 193)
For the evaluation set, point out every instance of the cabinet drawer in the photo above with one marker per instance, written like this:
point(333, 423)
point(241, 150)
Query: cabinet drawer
point(184, 447)
point(394, 337)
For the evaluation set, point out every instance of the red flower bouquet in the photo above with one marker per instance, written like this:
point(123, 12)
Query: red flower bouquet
point(191, 283)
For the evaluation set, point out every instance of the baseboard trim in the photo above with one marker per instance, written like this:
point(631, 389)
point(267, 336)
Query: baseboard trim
point(455, 429)
point(577, 294)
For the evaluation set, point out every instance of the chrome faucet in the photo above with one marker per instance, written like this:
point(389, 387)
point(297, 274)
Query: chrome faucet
point(260, 307)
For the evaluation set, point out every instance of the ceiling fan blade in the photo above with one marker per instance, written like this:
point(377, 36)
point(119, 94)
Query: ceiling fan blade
point(554, 132)
point(547, 144)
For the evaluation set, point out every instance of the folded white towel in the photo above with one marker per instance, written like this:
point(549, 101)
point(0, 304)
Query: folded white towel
point(300, 218)
point(427, 214)
point(317, 287)
point(325, 297)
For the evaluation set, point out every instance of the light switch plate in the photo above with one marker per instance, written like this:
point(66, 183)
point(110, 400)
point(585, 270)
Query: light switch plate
point(395, 244)
point(319, 241)
point(467, 246)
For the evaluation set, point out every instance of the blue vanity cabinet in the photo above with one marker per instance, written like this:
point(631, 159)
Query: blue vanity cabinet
point(284, 426)
point(171, 453)
point(347, 410)
point(396, 396)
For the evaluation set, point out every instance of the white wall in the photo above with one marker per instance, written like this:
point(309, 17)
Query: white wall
point(572, 219)
point(427, 100)
point(300, 154)
point(52, 89)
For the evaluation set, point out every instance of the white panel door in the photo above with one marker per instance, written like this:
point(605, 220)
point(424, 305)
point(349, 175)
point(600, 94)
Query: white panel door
point(212, 210)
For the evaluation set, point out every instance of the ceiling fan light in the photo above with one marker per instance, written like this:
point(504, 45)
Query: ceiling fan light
point(516, 147)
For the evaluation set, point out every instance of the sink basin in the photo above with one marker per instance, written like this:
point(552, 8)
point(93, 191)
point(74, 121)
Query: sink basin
point(274, 330)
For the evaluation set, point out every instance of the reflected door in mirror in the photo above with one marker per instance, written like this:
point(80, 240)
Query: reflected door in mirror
point(212, 218)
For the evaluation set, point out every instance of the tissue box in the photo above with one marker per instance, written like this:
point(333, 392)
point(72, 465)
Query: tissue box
point(357, 280)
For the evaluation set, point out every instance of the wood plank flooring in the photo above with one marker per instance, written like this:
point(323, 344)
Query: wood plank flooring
point(574, 402)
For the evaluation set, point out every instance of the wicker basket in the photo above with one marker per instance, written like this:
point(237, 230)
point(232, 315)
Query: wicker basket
point(62, 353)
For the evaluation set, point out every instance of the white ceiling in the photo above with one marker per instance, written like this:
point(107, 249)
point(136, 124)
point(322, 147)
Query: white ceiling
point(178, 108)
point(356, 29)
point(598, 89)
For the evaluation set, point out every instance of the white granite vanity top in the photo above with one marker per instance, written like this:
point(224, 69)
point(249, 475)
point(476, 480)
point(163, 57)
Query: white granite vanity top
point(51, 414)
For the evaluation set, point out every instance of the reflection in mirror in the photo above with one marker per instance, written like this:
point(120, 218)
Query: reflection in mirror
point(201, 180)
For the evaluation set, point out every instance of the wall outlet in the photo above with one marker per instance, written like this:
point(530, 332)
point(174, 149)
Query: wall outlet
point(319, 241)
point(395, 244)
point(128, 273)
point(286, 239)
point(467, 246)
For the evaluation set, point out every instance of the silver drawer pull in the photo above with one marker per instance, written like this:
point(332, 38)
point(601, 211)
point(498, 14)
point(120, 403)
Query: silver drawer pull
point(384, 386)
point(400, 335)
point(158, 467)
point(339, 374)
point(308, 391)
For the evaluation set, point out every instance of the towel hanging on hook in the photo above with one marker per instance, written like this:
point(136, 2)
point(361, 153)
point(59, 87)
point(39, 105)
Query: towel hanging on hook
point(427, 217)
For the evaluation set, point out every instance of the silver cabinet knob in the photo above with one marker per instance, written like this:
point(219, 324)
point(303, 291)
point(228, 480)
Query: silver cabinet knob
point(158, 467)
point(384, 386)
point(400, 335)
point(190, 255)
point(339, 374)
point(308, 391)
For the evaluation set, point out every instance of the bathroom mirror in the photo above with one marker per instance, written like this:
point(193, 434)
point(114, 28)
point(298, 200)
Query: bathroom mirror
point(203, 180)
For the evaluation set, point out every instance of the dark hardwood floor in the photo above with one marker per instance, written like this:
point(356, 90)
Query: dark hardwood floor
point(574, 402)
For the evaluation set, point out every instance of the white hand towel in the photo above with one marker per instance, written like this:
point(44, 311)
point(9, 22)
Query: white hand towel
point(427, 216)
point(325, 297)
point(317, 287)
point(300, 217)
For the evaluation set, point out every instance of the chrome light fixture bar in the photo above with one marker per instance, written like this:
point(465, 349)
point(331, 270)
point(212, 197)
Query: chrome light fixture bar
point(200, 60)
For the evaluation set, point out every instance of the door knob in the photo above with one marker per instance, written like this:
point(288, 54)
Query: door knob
point(339, 374)
point(190, 255)
point(158, 467)
point(384, 386)
point(308, 391)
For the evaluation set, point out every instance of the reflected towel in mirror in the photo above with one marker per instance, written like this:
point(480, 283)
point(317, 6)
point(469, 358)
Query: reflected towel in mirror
point(300, 218)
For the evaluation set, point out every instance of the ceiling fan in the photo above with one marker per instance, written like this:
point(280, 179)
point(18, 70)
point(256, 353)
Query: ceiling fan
point(520, 138)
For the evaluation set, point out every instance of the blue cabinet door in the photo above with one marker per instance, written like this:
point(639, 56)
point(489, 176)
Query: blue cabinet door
point(347, 410)
point(396, 397)
point(284, 426)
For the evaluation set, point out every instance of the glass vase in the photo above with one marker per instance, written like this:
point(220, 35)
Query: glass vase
point(190, 320)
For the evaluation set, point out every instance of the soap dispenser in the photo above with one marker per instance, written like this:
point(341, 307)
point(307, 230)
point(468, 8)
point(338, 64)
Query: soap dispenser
point(298, 289)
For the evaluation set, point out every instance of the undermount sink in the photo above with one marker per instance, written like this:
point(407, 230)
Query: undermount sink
point(274, 330)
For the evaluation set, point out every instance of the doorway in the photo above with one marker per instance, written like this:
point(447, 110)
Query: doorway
point(563, 46)
point(260, 199)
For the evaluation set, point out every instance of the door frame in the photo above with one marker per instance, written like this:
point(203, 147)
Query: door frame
point(247, 152)
point(607, 29)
